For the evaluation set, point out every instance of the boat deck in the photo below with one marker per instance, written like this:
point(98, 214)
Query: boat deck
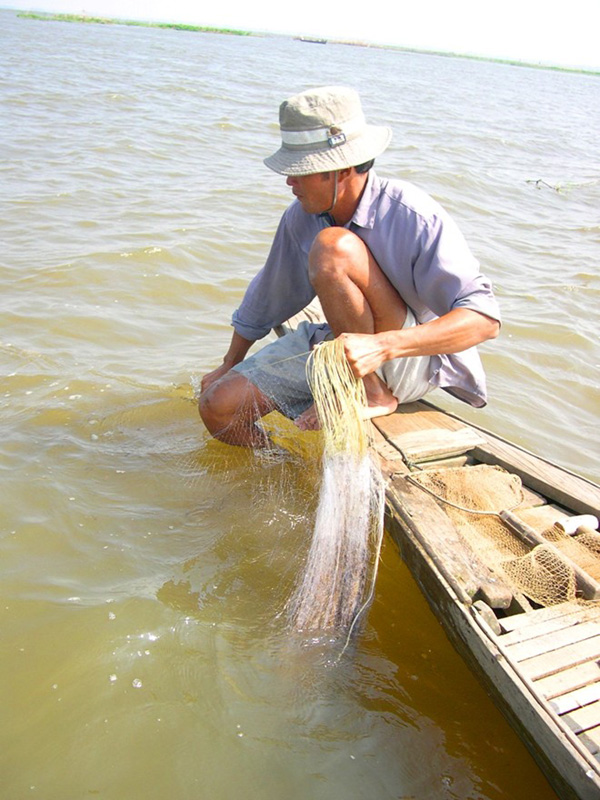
point(557, 650)
point(545, 662)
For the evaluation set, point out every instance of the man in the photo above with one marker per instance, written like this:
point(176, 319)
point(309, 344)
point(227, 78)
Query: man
point(394, 276)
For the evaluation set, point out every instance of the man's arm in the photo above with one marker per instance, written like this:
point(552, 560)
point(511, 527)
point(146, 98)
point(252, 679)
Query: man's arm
point(454, 332)
point(236, 353)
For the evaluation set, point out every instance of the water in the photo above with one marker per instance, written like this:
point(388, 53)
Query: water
point(143, 565)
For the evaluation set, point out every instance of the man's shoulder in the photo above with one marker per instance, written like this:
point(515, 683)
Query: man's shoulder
point(297, 226)
point(403, 195)
point(299, 222)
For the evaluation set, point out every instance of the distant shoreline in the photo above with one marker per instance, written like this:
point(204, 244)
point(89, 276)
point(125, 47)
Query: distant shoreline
point(232, 32)
point(177, 26)
point(442, 54)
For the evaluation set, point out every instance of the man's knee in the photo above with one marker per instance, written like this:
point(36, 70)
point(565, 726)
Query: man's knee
point(232, 399)
point(335, 251)
point(219, 403)
point(208, 407)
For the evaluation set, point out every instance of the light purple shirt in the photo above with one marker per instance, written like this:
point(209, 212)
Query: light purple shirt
point(417, 245)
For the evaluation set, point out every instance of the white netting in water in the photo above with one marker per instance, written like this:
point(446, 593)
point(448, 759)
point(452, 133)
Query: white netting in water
point(342, 561)
point(339, 566)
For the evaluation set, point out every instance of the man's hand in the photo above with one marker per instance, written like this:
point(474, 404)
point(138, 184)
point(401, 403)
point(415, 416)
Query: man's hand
point(453, 332)
point(363, 352)
point(236, 353)
point(214, 376)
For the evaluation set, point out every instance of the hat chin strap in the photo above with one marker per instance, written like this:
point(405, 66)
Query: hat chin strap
point(328, 211)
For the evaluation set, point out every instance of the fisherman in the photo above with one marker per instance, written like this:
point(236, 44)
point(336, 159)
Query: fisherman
point(394, 276)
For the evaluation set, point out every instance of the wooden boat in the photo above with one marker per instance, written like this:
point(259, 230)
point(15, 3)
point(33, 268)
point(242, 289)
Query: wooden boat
point(310, 39)
point(541, 664)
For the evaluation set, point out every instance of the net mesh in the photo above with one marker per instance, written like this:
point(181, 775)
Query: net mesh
point(473, 496)
point(342, 560)
point(336, 583)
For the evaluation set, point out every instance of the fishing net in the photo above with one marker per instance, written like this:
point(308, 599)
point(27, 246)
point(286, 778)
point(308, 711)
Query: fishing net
point(337, 581)
point(342, 560)
point(473, 497)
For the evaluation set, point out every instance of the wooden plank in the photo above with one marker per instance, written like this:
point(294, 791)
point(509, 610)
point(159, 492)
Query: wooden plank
point(582, 719)
point(571, 776)
point(547, 643)
point(444, 463)
point(531, 499)
point(416, 417)
point(435, 443)
point(568, 656)
point(575, 616)
point(591, 739)
point(538, 616)
point(568, 680)
point(420, 418)
point(560, 486)
point(410, 505)
point(538, 475)
point(580, 697)
point(390, 458)
point(461, 567)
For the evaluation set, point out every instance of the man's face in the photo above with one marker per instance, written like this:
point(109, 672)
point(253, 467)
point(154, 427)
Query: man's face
point(314, 192)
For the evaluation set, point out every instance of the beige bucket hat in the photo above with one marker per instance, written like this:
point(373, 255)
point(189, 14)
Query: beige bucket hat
point(325, 129)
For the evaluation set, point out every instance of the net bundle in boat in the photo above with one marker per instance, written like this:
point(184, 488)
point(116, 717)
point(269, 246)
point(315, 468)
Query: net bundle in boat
point(473, 497)
point(342, 560)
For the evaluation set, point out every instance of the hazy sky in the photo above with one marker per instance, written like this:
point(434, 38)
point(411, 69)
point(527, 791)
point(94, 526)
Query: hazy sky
point(536, 31)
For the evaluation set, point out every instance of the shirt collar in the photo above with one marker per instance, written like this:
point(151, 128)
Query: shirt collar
point(366, 211)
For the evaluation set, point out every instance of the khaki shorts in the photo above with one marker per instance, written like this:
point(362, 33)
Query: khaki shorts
point(408, 378)
point(279, 369)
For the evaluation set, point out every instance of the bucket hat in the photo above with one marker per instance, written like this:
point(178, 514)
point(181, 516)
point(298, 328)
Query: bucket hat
point(325, 129)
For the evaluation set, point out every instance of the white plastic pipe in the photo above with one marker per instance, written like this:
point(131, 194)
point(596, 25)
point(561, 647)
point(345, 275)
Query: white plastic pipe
point(569, 525)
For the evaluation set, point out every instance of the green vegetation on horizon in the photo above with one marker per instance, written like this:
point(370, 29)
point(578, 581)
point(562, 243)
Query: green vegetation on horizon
point(491, 59)
point(104, 21)
point(177, 26)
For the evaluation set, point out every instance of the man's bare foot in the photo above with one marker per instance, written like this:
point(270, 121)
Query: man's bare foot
point(380, 399)
point(308, 420)
point(380, 403)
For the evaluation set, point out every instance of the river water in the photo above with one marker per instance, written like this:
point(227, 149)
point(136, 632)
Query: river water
point(143, 566)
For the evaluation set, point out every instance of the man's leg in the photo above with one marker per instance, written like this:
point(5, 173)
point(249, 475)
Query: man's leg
point(230, 407)
point(356, 297)
point(273, 378)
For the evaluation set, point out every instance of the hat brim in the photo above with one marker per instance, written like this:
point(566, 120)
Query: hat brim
point(371, 143)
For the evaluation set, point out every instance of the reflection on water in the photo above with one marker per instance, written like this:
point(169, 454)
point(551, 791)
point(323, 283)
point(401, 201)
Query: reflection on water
point(145, 568)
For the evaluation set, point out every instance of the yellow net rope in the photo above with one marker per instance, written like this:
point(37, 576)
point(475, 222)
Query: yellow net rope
point(339, 399)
